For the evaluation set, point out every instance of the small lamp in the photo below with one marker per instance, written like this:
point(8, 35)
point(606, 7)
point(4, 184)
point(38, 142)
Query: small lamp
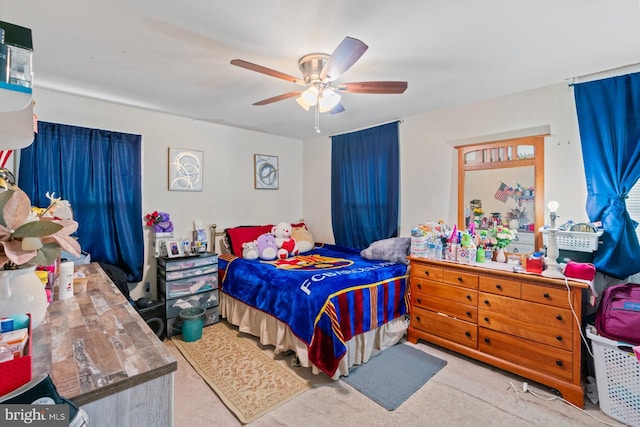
point(553, 268)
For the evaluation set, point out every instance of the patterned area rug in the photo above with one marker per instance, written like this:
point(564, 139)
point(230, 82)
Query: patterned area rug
point(247, 380)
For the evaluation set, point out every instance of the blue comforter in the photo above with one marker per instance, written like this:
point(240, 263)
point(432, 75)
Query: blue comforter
point(325, 296)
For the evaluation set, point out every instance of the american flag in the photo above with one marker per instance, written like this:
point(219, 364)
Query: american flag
point(503, 192)
point(4, 157)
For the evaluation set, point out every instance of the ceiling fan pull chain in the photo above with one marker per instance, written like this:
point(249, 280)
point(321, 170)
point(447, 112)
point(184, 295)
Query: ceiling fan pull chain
point(317, 117)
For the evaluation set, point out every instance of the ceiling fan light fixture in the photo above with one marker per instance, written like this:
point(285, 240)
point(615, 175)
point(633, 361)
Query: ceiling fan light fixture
point(300, 100)
point(328, 100)
point(310, 96)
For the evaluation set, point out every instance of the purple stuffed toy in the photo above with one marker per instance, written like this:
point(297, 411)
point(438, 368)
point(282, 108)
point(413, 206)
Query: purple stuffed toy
point(164, 224)
point(267, 248)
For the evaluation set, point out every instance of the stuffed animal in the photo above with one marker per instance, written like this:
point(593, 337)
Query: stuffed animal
point(267, 248)
point(303, 239)
point(286, 245)
point(250, 250)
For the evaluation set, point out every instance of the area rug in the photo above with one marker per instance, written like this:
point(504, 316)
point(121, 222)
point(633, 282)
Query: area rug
point(391, 377)
point(247, 380)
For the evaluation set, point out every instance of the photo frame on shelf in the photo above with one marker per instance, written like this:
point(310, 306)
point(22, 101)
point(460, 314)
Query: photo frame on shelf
point(174, 249)
point(185, 169)
point(265, 172)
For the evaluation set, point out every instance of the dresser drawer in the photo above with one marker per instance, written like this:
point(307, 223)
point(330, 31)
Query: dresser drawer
point(453, 293)
point(494, 285)
point(191, 272)
point(182, 287)
point(188, 262)
point(456, 330)
point(204, 299)
point(439, 305)
point(526, 311)
point(556, 337)
point(556, 297)
point(423, 271)
point(458, 278)
point(530, 354)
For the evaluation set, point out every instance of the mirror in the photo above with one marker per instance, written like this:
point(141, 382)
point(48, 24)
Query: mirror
point(502, 182)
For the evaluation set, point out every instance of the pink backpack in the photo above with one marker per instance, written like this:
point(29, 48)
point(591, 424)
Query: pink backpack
point(618, 315)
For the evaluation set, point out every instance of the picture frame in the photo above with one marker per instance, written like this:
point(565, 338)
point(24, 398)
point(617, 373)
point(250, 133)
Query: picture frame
point(185, 169)
point(265, 172)
point(174, 249)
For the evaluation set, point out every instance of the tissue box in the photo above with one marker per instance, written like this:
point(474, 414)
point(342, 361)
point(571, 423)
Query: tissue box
point(17, 372)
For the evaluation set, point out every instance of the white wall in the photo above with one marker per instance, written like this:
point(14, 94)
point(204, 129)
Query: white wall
point(228, 197)
point(428, 159)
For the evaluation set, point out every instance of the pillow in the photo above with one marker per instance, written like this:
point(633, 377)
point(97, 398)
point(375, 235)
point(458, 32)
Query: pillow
point(244, 233)
point(394, 249)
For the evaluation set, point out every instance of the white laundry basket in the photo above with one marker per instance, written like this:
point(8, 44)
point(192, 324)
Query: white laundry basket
point(617, 378)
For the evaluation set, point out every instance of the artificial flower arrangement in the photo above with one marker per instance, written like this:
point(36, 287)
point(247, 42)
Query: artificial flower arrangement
point(160, 221)
point(31, 235)
point(500, 236)
point(478, 212)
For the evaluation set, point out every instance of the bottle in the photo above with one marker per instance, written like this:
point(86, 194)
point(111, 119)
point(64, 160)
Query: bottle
point(65, 280)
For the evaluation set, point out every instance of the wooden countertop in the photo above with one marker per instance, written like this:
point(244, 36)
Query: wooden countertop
point(95, 344)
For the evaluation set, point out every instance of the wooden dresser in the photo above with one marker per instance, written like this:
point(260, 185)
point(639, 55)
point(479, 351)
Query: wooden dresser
point(522, 323)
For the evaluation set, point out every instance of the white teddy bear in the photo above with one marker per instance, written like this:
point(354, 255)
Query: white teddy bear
point(286, 244)
point(250, 250)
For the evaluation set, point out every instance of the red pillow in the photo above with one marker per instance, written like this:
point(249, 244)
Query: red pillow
point(244, 233)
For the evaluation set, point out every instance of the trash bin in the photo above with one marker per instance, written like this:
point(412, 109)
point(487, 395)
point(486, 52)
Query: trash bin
point(192, 323)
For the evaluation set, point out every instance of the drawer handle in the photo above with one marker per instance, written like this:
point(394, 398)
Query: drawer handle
point(426, 273)
point(546, 295)
point(467, 333)
point(559, 337)
point(419, 300)
point(486, 319)
point(419, 286)
point(498, 286)
point(469, 313)
point(559, 362)
point(460, 279)
point(487, 302)
point(559, 316)
point(418, 318)
point(487, 340)
point(469, 297)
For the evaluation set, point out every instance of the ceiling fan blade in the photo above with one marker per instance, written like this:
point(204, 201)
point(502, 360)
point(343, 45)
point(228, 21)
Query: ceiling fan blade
point(264, 70)
point(342, 58)
point(337, 109)
point(278, 98)
point(386, 87)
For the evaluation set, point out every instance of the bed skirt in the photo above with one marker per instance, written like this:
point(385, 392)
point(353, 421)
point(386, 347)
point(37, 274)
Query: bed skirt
point(272, 331)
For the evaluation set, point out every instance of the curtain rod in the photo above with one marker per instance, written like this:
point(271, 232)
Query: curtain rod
point(370, 126)
point(611, 72)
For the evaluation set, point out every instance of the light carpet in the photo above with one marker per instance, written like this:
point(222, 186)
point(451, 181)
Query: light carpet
point(392, 376)
point(247, 380)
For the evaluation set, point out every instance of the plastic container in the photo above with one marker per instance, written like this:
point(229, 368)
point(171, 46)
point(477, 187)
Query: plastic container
point(617, 374)
point(574, 240)
point(192, 323)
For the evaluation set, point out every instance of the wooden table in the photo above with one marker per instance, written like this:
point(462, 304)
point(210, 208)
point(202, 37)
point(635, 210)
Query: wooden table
point(102, 355)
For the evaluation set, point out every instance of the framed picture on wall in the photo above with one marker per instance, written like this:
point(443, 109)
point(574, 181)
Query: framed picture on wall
point(185, 170)
point(265, 172)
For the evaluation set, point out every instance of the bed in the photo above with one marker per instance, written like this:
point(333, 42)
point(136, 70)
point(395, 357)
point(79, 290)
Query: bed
point(331, 306)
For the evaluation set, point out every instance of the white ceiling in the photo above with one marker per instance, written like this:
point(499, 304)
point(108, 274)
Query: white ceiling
point(174, 56)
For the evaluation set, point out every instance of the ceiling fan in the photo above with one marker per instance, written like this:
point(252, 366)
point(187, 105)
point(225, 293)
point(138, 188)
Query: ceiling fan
point(319, 74)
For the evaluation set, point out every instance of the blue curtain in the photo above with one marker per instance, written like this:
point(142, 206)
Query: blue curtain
point(99, 172)
point(609, 122)
point(365, 185)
